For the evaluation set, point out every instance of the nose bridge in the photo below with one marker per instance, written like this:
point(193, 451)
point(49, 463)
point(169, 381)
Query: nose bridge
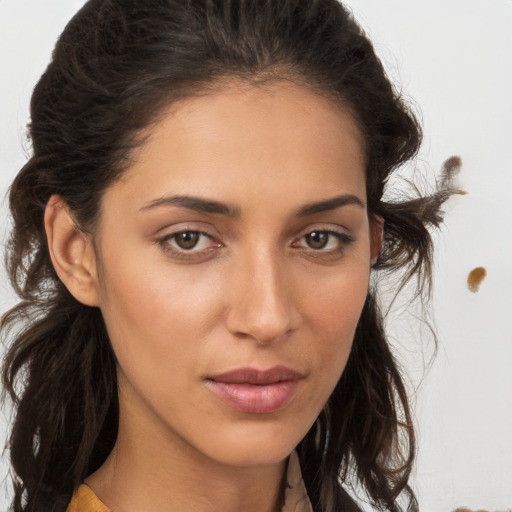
point(263, 303)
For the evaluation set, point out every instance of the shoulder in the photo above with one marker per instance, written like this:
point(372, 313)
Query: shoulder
point(84, 500)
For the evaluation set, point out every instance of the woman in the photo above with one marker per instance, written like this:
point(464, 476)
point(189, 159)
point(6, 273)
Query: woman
point(193, 241)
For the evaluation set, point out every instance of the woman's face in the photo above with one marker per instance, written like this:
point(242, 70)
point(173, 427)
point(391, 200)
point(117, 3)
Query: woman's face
point(233, 265)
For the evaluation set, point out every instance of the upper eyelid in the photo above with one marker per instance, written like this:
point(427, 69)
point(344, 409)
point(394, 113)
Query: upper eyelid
point(332, 232)
point(170, 234)
point(212, 233)
point(325, 228)
point(171, 230)
point(173, 234)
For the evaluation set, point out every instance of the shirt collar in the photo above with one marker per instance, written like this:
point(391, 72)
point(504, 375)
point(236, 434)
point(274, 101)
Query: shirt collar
point(295, 495)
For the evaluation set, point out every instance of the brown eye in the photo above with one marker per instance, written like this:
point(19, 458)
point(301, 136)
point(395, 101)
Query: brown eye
point(324, 241)
point(189, 245)
point(187, 239)
point(317, 239)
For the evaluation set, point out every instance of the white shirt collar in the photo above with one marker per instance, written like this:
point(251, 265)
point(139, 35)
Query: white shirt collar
point(295, 495)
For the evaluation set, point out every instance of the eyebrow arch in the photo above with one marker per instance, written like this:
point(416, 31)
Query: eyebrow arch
point(194, 203)
point(330, 204)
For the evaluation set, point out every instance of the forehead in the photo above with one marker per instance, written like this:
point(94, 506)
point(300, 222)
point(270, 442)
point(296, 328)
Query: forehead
point(278, 136)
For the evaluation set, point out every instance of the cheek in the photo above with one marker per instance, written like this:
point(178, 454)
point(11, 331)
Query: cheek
point(334, 312)
point(335, 301)
point(153, 314)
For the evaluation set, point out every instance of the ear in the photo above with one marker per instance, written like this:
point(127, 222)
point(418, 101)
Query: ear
point(72, 252)
point(376, 236)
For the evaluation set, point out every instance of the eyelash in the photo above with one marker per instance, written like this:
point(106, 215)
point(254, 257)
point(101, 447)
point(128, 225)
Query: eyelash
point(343, 240)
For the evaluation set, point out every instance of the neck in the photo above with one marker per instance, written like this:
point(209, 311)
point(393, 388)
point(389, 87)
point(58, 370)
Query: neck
point(159, 471)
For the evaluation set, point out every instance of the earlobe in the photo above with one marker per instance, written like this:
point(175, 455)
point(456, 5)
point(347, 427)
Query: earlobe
point(71, 252)
point(376, 237)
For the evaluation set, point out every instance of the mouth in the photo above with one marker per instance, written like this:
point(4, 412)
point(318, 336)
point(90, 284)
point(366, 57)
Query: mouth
point(256, 391)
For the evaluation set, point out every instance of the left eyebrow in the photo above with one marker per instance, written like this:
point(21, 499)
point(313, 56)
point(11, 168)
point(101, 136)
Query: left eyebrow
point(330, 204)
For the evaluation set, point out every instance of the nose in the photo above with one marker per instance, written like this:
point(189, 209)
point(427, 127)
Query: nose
point(263, 302)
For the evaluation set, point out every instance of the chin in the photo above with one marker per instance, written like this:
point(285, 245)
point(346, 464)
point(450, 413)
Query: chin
point(255, 445)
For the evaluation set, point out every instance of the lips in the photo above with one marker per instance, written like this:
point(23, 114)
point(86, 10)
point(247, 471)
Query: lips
point(256, 391)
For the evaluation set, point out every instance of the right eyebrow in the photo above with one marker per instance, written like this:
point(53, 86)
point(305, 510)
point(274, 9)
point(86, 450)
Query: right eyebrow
point(194, 203)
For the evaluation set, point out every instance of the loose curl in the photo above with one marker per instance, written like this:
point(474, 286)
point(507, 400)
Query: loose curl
point(114, 68)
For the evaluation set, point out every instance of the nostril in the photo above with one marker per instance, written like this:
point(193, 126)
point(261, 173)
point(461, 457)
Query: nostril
point(264, 327)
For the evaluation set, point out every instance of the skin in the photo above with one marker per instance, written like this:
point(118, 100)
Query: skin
point(258, 289)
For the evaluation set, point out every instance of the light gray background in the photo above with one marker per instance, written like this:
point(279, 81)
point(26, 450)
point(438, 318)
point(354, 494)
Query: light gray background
point(454, 57)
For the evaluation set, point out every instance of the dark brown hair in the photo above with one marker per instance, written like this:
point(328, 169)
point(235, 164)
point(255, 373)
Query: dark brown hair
point(117, 63)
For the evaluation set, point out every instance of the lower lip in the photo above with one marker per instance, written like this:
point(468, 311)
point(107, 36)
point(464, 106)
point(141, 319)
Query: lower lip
point(256, 399)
